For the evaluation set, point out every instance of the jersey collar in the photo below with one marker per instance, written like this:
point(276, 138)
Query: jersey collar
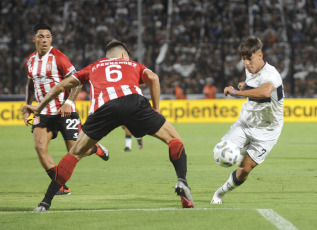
point(43, 57)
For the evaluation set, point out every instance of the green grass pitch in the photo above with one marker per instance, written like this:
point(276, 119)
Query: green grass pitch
point(135, 190)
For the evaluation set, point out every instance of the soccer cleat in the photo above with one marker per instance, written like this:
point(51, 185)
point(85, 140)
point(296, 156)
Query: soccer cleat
point(42, 207)
point(218, 195)
point(63, 191)
point(140, 143)
point(184, 192)
point(127, 149)
point(102, 152)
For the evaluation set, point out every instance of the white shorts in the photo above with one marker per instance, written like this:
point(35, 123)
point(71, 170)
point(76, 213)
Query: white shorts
point(257, 141)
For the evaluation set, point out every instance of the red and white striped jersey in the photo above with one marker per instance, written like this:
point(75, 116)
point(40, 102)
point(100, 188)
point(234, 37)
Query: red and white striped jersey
point(46, 72)
point(110, 79)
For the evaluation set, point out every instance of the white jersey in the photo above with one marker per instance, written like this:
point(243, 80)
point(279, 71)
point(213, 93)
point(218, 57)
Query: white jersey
point(267, 112)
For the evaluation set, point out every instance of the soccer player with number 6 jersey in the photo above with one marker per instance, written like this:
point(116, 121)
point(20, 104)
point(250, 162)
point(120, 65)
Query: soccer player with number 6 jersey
point(116, 100)
point(46, 67)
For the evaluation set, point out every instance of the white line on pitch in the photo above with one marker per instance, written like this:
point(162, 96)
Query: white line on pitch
point(268, 214)
point(276, 219)
point(122, 210)
point(128, 210)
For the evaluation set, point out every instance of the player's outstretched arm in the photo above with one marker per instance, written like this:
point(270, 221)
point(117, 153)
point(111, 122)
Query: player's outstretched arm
point(153, 81)
point(64, 85)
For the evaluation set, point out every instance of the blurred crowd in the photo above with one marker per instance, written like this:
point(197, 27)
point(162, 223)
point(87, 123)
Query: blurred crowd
point(192, 47)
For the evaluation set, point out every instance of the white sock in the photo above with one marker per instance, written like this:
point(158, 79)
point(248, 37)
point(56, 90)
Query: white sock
point(128, 142)
point(228, 185)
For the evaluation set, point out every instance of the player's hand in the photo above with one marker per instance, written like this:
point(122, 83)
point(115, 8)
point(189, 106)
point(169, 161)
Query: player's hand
point(241, 85)
point(27, 110)
point(66, 110)
point(228, 90)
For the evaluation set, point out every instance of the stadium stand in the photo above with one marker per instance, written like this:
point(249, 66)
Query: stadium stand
point(196, 41)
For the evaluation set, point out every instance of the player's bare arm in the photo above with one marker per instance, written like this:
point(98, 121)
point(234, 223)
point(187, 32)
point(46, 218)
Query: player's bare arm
point(64, 85)
point(66, 108)
point(28, 99)
point(262, 92)
point(153, 81)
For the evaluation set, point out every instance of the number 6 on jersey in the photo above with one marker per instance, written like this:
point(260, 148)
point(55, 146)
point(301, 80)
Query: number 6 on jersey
point(116, 72)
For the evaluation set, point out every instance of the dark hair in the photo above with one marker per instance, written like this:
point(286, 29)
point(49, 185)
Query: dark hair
point(41, 27)
point(114, 44)
point(249, 46)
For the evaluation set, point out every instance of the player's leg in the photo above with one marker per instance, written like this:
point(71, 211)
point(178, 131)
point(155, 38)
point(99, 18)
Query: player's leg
point(140, 142)
point(178, 157)
point(236, 135)
point(236, 178)
point(43, 132)
point(65, 169)
point(128, 139)
point(70, 127)
point(42, 137)
point(97, 125)
point(97, 149)
point(141, 119)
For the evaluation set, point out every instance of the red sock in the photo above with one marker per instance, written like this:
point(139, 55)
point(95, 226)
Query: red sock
point(176, 148)
point(65, 168)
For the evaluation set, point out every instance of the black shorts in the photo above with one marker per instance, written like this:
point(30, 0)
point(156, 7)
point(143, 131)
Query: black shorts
point(68, 126)
point(134, 111)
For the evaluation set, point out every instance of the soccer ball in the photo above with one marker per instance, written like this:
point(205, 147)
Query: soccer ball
point(226, 153)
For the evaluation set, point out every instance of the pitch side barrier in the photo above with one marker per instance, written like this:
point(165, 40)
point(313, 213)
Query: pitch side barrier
point(185, 111)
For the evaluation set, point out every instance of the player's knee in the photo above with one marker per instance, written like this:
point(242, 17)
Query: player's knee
point(167, 133)
point(40, 148)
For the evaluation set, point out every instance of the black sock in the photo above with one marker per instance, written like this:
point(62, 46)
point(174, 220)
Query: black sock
point(235, 179)
point(52, 189)
point(180, 166)
point(51, 172)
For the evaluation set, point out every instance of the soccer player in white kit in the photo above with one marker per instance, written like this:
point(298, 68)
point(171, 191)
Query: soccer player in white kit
point(261, 118)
